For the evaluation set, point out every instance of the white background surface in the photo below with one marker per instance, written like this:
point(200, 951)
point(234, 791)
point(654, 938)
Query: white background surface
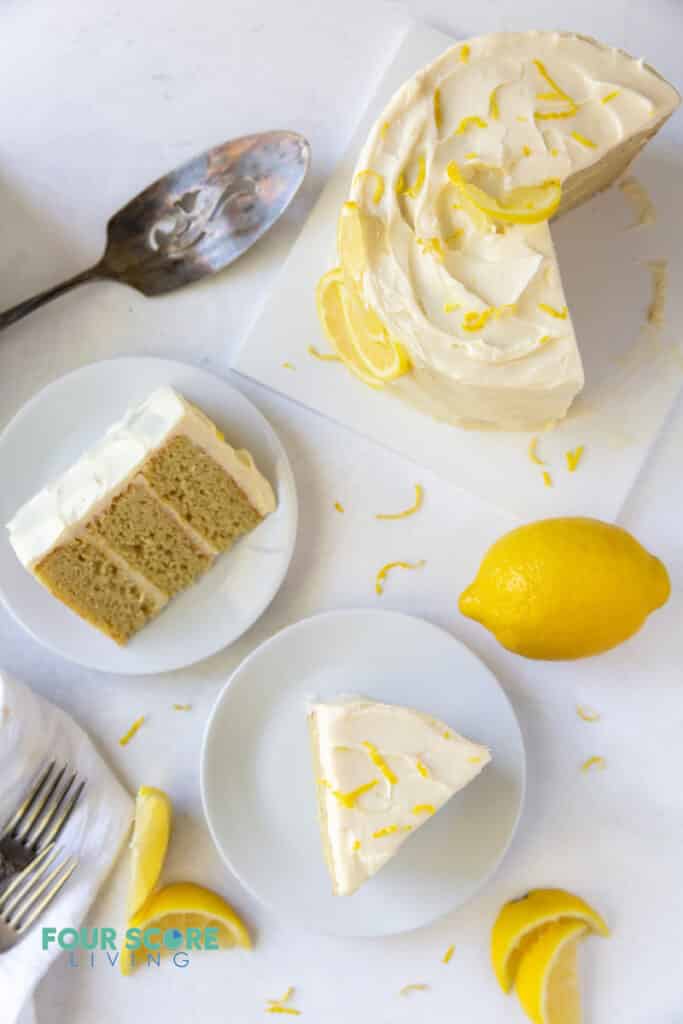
point(96, 100)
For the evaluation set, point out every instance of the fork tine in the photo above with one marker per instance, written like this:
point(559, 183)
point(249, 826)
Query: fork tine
point(23, 875)
point(58, 825)
point(49, 812)
point(31, 876)
point(59, 877)
point(27, 823)
point(23, 808)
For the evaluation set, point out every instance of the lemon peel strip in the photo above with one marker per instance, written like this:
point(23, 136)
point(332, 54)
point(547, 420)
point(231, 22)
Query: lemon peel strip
point(283, 1009)
point(182, 707)
point(584, 140)
point(407, 989)
point(424, 809)
point(470, 122)
point(422, 769)
point(494, 109)
point(431, 245)
point(438, 112)
point(557, 95)
point(339, 507)
point(587, 714)
point(285, 998)
point(448, 955)
point(379, 186)
point(324, 357)
point(574, 457)
point(594, 762)
point(465, 52)
point(452, 307)
point(611, 96)
point(559, 314)
point(128, 736)
point(386, 569)
point(417, 504)
point(413, 190)
point(384, 129)
point(532, 452)
point(380, 763)
point(288, 366)
point(547, 479)
point(350, 799)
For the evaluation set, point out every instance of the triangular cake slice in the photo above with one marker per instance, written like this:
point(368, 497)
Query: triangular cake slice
point(381, 772)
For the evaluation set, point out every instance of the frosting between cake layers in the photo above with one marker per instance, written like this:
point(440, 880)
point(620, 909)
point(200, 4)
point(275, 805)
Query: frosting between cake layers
point(383, 771)
point(509, 111)
point(57, 511)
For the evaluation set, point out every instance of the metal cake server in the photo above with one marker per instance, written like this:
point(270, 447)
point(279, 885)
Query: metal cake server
point(195, 220)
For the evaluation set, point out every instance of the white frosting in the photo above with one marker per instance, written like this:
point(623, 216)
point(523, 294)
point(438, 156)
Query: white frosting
point(59, 509)
point(427, 759)
point(509, 373)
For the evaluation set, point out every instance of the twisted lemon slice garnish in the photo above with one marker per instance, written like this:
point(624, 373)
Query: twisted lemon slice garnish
point(526, 205)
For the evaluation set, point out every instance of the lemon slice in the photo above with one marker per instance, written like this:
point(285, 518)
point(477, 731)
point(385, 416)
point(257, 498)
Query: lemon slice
point(148, 844)
point(333, 319)
point(186, 905)
point(526, 205)
point(357, 232)
point(548, 978)
point(518, 922)
point(379, 354)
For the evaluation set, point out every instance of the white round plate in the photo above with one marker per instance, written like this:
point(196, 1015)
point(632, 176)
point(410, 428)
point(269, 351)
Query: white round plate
point(259, 791)
point(57, 426)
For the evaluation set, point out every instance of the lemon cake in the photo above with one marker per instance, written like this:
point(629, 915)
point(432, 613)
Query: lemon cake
point(448, 291)
point(141, 515)
point(381, 772)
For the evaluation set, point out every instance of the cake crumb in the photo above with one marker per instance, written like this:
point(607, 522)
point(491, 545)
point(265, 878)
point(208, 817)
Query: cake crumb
point(641, 204)
point(660, 283)
point(128, 736)
point(448, 955)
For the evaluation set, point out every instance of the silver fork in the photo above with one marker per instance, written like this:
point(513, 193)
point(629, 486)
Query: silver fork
point(30, 893)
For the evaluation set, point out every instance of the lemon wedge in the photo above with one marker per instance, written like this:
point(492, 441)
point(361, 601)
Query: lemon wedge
point(519, 921)
point(148, 844)
point(185, 905)
point(526, 205)
point(548, 979)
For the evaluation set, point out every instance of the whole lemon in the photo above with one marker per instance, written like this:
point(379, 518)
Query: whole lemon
point(565, 588)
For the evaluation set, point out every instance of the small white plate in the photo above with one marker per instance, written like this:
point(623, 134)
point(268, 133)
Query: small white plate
point(57, 426)
point(257, 775)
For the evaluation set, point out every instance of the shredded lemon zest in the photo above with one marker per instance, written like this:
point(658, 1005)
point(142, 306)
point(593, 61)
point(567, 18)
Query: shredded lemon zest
point(532, 452)
point(527, 150)
point(350, 799)
point(559, 314)
point(587, 714)
point(453, 238)
point(447, 734)
point(422, 769)
point(384, 129)
point(611, 96)
point(474, 760)
point(554, 151)
point(285, 998)
point(545, 339)
point(413, 190)
point(474, 321)
point(288, 366)
point(128, 736)
point(380, 763)
point(522, 119)
point(594, 762)
point(419, 495)
point(452, 307)
point(584, 141)
point(574, 457)
point(547, 479)
point(182, 707)
point(471, 156)
point(339, 507)
point(643, 207)
point(407, 989)
point(324, 357)
point(275, 1008)
point(424, 809)
point(379, 187)
point(391, 830)
point(465, 52)
point(557, 95)
point(356, 845)
point(438, 112)
point(470, 122)
point(494, 109)
point(386, 569)
point(448, 955)
point(660, 283)
point(431, 245)
point(351, 204)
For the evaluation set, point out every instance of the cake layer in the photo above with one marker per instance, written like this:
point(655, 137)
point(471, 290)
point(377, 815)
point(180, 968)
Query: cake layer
point(98, 588)
point(468, 296)
point(201, 493)
point(382, 771)
point(139, 528)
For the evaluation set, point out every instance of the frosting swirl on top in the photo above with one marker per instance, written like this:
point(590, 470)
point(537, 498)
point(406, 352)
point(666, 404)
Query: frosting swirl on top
point(475, 297)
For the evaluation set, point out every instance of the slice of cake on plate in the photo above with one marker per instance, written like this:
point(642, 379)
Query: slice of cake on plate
point(448, 291)
point(381, 772)
point(141, 515)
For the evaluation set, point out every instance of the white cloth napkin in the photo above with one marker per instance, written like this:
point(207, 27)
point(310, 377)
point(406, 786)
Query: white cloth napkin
point(33, 731)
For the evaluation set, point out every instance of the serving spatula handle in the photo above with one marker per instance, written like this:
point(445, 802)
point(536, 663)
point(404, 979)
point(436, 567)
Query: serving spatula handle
point(10, 316)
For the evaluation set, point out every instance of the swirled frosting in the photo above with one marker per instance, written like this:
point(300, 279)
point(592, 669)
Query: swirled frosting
point(480, 308)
